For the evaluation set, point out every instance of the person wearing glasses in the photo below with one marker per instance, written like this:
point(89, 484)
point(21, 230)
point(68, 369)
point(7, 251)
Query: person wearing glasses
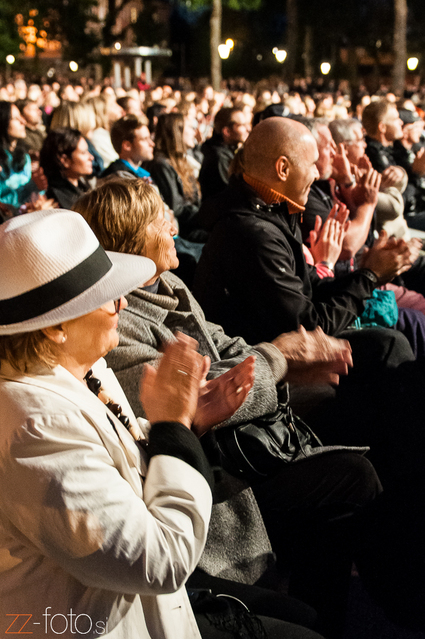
point(103, 517)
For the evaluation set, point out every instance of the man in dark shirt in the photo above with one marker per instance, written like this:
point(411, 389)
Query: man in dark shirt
point(252, 277)
point(230, 130)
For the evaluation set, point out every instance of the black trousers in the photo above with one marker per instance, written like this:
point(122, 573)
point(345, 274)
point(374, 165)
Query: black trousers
point(309, 510)
point(259, 600)
point(275, 629)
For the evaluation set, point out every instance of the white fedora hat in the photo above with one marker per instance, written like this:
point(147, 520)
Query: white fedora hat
point(53, 269)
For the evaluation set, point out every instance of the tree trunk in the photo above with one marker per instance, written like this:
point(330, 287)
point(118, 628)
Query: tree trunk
point(399, 45)
point(308, 48)
point(215, 38)
point(292, 36)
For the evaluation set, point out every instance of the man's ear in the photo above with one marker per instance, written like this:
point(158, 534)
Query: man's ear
point(55, 333)
point(225, 132)
point(382, 127)
point(126, 146)
point(282, 168)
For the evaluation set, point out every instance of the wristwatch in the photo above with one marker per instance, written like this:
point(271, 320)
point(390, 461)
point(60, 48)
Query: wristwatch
point(328, 265)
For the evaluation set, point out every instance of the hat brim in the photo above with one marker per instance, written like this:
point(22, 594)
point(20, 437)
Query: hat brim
point(127, 273)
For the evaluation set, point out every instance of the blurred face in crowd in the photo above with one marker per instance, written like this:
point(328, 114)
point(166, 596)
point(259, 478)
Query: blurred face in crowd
point(326, 147)
point(141, 148)
point(238, 129)
point(133, 107)
point(412, 132)
point(16, 128)
point(79, 163)
point(393, 126)
point(32, 114)
point(114, 111)
point(189, 133)
point(355, 149)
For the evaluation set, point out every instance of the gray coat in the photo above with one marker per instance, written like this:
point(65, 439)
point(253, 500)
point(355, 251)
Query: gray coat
point(150, 320)
point(237, 547)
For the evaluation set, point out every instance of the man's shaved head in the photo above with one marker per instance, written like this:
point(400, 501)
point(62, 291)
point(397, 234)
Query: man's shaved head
point(272, 138)
point(289, 140)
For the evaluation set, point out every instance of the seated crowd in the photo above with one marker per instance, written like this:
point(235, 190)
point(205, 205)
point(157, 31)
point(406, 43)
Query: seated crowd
point(269, 248)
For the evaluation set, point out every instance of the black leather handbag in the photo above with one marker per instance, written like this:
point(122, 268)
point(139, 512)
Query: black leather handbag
point(256, 450)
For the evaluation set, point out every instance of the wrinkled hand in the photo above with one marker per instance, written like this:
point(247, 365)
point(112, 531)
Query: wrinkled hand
point(363, 165)
point(326, 241)
point(170, 393)
point(387, 258)
point(392, 176)
point(341, 168)
point(313, 357)
point(418, 164)
point(367, 189)
point(415, 247)
point(221, 397)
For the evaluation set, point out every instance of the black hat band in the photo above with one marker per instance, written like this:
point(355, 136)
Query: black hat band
point(63, 289)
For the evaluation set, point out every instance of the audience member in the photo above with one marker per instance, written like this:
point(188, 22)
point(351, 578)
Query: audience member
point(172, 172)
point(132, 141)
point(383, 127)
point(164, 304)
point(252, 277)
point(81, 116)
point(35, 132)
point(17, 184)
point(67, 163)
point(230, 130)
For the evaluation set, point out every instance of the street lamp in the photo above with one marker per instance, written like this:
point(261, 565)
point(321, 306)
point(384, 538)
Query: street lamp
point(325, 67)
point(73, 66)
point(117, 46)
point(10, 59)
point(229, 43)
point(223, 51)
point(280, 55)
point(412, 64)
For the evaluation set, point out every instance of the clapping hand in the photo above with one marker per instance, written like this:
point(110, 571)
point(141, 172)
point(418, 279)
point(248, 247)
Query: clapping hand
point(170, 393)
point(313, 357)
point(221, 397)
point(326, 240)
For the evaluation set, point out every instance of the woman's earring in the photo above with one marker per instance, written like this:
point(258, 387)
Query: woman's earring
point(64, 339)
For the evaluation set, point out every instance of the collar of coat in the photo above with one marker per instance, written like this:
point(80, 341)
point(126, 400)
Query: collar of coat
point(270, 196)
point(115, 438)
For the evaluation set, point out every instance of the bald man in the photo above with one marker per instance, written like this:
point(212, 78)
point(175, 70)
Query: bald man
point(252, 277)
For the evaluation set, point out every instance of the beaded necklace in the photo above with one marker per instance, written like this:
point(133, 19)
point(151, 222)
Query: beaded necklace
point(95, 385)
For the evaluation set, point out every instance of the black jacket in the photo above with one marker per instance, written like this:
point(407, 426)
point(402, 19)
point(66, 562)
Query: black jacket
point(214, 173)
point(381, 158)
point(253, 279)
point(65, 193)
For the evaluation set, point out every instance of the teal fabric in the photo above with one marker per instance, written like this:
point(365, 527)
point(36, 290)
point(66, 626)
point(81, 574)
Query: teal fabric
point(16, 188)
point(380, 310)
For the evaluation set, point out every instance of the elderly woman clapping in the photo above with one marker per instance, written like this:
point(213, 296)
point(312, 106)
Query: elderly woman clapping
point(102, 517)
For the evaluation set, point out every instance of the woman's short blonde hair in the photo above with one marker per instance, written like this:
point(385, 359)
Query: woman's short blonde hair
point(74, 115)
point(26, 352)
point(119, 212)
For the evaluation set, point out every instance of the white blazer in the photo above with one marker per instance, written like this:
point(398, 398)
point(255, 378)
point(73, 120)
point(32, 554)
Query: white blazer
point(92, 543)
